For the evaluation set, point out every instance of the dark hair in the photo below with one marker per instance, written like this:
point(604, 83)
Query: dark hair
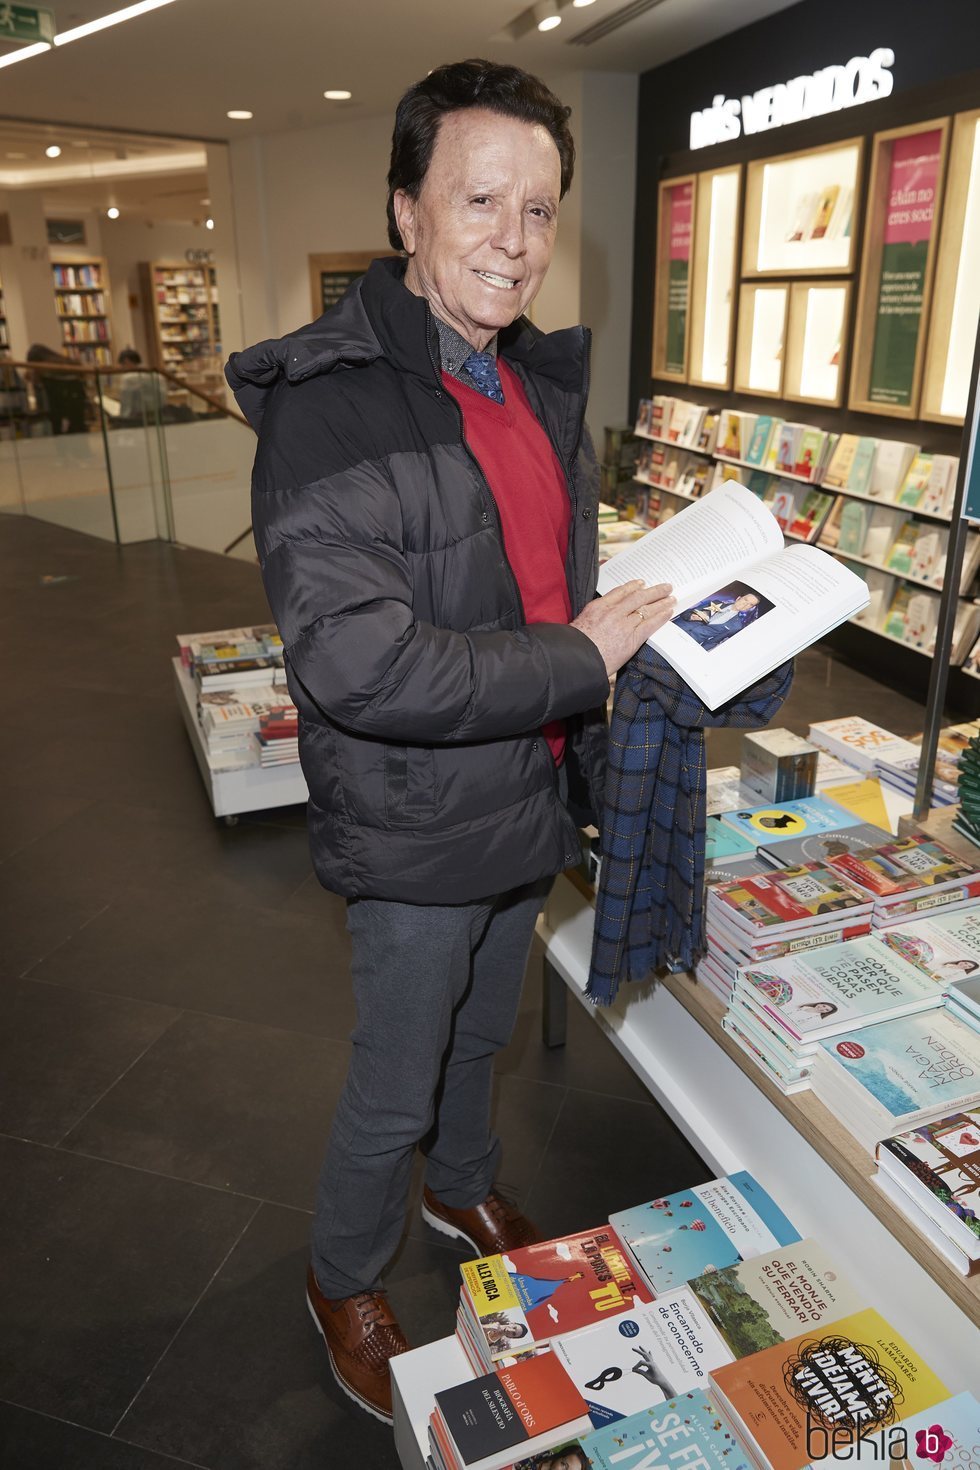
point(504, 89)
point(130, 355)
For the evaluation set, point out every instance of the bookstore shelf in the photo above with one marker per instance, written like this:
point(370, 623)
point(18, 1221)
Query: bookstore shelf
point(922, 515)
point(674, 444)
point(876, 566)
point(81, 284)
point(776, 474)
point(248, 789)
point(666, 489)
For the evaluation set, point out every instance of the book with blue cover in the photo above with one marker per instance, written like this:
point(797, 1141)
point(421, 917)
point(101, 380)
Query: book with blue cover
point(685, 1429)
point(799, 818)
point(680, 1236)
point(722, 841)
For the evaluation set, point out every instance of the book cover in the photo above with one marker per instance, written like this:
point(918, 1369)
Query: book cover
point(916, 482)
point(644, 1358)
point(771, 1298)
point(891, 463)
point(820, 847)
point(853, 528)
point(791, 819)
point(532, 1294)
point(903, 865)
point(823, 1387)
point(939, 1164)
point(863, 799)
point(503, 1411)
point(686, 1430)
point(902, 552)
point(841, 461)
point(808, 454)
point(811, 515)
point(896, 623)
point(759, 443)
point(721, 841)
point(946, 947)
point(825, 991)
point(966, 994)
point(786, 896)
point(734, 869)
point(724, 789)
point(859, 741)
point(787, 440)
point(913, 1064)
point(712, 1225)
point(862, 468)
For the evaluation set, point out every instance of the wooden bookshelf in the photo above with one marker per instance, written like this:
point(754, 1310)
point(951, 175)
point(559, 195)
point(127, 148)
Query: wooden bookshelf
point(180, 304)
point(83, 305)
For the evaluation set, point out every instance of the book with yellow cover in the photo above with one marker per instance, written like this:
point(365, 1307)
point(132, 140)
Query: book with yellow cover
point(864, 799)
point(799, 1398)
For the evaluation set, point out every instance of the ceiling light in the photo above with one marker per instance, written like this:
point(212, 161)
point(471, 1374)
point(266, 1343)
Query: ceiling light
point(25, 52)
point(113, 212)
point(53, 151)
point(581, 4)
point(115, 18)
point(240, 115)
point(209, 224)
point(337, 94)
point(15, 155)
point(546, 15)
point(205, 201)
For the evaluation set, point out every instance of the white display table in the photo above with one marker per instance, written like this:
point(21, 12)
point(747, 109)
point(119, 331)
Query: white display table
point(670, 1033)
point(250, 789)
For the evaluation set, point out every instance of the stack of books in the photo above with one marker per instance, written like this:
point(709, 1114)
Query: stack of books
point(231, 723)
point(782, 1011)
point(278, 736)
point(908, 875)
point(760, 917)
point(520, 1303)
point(944, 945)
point(895, 1075)
point(932, 1176)
point(501, 1418)
point(860, 743)
point(967, 819)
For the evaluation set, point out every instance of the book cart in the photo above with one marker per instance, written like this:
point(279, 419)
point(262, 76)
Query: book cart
point(82, 303)
point(240, 789)
point(669, 1031)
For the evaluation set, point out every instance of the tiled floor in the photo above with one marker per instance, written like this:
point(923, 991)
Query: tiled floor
point(174, 1014)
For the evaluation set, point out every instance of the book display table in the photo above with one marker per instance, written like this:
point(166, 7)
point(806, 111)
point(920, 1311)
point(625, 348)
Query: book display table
point(670, 1033)
point(240, 789)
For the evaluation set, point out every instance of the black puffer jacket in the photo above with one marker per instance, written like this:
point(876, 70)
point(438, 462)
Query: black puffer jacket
point(421, 691)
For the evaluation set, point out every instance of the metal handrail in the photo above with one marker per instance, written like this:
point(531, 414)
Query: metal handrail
point(84, 370)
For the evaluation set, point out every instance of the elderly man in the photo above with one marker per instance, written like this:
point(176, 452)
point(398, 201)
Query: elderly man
point(424, 504)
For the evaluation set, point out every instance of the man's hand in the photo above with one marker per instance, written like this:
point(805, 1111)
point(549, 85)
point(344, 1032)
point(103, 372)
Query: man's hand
point(622, 621)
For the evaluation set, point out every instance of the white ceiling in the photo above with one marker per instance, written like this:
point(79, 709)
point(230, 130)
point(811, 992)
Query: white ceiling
point(179, 69)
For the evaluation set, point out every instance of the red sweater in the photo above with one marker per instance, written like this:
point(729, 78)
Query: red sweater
point(528, 484)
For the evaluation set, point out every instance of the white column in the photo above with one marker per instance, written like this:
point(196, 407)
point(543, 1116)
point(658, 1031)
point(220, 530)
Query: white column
point(25, 270)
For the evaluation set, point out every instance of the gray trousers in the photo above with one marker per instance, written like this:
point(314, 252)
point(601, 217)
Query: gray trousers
point(437, 990)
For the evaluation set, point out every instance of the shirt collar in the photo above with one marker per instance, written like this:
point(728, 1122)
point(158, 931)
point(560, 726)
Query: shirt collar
point(454, 349)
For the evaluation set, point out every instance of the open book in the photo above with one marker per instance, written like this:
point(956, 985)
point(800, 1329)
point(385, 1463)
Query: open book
point(746, 602)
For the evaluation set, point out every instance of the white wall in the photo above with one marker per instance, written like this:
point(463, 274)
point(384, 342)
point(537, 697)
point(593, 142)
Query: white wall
point(323, 189)
point(28, 286)
point(127, 242)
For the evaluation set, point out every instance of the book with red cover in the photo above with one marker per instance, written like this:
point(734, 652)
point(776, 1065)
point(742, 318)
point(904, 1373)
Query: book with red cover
point(499, 1418)
point(787, 898)
point(550, 1288)
point(903, 866)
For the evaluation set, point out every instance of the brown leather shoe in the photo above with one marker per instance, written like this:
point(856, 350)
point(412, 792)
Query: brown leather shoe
point(361, 1336)
point(491, 1228)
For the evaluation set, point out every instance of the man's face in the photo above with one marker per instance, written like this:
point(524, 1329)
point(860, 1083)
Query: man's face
point(482, 231)
point(747, 600)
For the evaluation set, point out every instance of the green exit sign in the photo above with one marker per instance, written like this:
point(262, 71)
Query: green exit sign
point(25, 24)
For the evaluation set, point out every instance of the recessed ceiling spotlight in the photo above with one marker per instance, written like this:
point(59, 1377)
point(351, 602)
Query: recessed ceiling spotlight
point(112, 213)
point(53, 151)
point(205, 201)
point(546, 16)
point(240, 115)
point(209, 224)
point(338, 94)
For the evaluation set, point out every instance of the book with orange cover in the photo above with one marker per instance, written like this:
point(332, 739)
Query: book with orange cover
point(799, 1398)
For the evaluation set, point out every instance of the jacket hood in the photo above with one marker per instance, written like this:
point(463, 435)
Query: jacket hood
point(377, 317)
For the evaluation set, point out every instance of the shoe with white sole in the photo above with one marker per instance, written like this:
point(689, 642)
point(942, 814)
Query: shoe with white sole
point(361, 1337)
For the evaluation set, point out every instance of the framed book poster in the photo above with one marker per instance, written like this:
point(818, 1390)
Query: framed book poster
point(800, 210)
point(332, 274)
point(901, 231)
point(713, 277)
point(816, 341)
point(761, 342)
point(672, 286)
point(956, 293)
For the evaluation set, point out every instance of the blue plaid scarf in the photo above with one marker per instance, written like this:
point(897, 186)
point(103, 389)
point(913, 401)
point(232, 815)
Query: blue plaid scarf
point(650, 901)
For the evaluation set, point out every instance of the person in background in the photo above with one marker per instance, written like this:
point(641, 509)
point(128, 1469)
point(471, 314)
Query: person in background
point(61, 395)
point(424, 501)
point(142, 396)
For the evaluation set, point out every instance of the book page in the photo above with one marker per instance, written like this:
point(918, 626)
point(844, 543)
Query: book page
point(722, 641)
point(701, 547)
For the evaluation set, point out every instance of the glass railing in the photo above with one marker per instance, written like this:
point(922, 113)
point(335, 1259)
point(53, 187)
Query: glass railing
point(127, 454)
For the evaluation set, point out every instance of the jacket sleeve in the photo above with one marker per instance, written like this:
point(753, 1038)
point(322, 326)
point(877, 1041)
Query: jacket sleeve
point(340, 589)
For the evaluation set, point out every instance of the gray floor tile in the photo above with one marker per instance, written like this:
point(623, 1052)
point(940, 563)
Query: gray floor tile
point(31, 1441)
point(99, 1266)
